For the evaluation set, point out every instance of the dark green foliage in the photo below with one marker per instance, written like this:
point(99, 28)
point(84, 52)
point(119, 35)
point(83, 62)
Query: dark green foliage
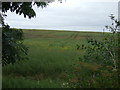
point(24, 8)
point(41, 4)
point(13, 48)
point(12, 39)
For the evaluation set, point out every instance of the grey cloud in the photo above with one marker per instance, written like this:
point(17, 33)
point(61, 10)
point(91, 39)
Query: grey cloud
point(91, 16)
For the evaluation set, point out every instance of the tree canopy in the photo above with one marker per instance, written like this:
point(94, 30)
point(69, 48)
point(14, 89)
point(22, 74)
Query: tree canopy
point(25, 8)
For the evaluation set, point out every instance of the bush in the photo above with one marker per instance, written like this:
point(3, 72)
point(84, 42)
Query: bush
point(105, 51)
point(99, 66)
point(13, 48)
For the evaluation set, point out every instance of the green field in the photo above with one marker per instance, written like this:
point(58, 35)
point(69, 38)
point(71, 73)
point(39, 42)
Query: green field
point(52, 55)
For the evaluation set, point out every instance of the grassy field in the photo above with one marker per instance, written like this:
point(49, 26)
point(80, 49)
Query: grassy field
point(52, 55)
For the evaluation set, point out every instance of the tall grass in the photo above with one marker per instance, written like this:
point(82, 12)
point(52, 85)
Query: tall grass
point(51, 56)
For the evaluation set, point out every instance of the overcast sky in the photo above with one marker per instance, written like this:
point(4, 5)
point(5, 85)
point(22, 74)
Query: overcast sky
point(69, 15)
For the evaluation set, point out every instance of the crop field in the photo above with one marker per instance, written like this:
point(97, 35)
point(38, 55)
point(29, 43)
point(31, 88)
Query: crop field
point(52, 57)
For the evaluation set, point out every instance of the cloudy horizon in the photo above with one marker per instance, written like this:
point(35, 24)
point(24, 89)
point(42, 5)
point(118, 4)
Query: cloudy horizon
point(70, 15)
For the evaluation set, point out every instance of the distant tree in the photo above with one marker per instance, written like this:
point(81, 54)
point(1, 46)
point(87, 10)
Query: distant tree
point(13, 48)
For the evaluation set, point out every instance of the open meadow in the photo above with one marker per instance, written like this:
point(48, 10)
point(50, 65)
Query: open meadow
point(53, 56)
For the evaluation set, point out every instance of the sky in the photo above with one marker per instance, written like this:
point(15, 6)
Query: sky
point(75, 15)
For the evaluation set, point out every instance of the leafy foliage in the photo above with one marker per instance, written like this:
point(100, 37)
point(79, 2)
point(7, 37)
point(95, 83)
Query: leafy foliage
point(100, 62)
point(105, 51)
point(24, 8)
point(13, 48)
point(12, 39)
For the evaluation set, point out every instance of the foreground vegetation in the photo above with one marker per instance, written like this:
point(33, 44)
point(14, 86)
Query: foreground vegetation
point(55, 62)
